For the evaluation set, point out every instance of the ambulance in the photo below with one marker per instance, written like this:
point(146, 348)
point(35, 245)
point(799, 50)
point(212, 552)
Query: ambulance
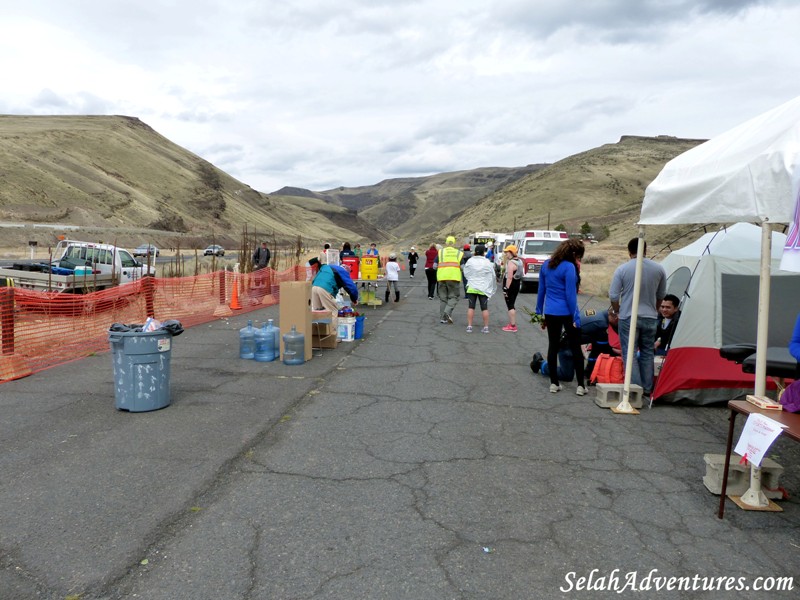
point(535, 246)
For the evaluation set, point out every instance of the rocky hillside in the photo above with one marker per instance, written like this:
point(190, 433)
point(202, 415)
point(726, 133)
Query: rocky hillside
point(603, 187)
point(117, 172)
point(413, 206)
point(117, 175)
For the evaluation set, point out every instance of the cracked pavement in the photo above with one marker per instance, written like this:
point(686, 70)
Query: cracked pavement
point(421, 462)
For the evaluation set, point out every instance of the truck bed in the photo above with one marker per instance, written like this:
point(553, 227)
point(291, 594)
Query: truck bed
point(51, 282)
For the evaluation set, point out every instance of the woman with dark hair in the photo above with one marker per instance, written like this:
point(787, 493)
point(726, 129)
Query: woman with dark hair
point(557, 300)
point(431, 256)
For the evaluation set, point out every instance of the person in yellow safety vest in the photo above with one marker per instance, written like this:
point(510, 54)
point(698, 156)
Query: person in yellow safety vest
point(448, 276)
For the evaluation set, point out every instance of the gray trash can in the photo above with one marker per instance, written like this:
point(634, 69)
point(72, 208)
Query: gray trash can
point(141, 369)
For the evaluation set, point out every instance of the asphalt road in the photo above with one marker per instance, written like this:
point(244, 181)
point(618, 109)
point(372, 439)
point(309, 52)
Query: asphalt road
point(421, 462)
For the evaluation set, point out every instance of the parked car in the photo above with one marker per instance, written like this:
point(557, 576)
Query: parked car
point(145, 249)
point(214, 251)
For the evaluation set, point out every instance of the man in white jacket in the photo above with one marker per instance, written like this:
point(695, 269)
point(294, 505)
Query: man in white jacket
point(481, 285)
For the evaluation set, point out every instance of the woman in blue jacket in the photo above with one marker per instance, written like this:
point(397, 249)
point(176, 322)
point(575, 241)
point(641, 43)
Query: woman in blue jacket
point(557, 300)
point(794, 343)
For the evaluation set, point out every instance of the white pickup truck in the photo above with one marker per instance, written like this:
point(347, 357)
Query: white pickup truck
point(80, 267)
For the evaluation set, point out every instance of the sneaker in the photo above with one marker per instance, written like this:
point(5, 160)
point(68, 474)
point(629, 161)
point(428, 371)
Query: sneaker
point(449, 318)
point(485, 330)
point(469, 328)
point(581, 391)
point(510, 327)
point(443, 322)
point(412, 277)
point(554, 387)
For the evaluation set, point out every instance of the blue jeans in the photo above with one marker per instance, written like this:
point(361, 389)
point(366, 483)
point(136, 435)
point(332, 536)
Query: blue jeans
point(566, 367)
point(643, 366)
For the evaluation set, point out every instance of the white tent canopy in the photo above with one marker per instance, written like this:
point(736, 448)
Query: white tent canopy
point(749, 173)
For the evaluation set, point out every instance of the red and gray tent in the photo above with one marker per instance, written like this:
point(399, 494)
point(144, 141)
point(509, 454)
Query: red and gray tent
point(750, 173)
point(717, 279)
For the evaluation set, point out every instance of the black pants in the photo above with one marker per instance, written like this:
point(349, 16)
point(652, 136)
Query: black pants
point(555, 323)
point(431, 275)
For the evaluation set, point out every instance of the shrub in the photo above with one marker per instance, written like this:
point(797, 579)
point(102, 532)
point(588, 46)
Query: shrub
point(593, 260)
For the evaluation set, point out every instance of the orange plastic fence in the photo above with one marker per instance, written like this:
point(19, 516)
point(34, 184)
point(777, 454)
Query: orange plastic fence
point(39, 330)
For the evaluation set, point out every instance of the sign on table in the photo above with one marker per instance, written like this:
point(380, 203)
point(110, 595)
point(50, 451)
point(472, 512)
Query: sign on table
point(757, 436)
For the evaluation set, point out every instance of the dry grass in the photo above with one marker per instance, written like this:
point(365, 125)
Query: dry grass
point(117, 173)
point(603, 187)
point(596, 276)
point(123, 183)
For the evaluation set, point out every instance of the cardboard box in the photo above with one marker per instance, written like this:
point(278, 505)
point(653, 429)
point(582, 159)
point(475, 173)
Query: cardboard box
point(324, 328)
point(323, 322)
point(295, 309)
point(325, 341)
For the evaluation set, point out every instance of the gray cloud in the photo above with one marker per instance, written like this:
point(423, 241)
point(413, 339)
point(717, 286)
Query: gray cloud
point(616, 20)
point(313, 93)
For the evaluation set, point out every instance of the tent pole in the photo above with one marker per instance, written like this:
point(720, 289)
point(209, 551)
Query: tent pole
point(754, 496)
point(762, 337)
point(624, 407)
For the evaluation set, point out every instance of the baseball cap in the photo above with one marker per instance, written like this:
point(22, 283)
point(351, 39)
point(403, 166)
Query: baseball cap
point(466, 246)
point(511, 248)
point(450, 240)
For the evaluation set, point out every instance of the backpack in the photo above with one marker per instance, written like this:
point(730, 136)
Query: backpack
point(790, 397)
point(608, 369)
point(520, 268)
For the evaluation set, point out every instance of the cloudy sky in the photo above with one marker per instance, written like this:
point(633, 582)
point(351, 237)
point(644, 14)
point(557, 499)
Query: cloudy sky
point(323, 93)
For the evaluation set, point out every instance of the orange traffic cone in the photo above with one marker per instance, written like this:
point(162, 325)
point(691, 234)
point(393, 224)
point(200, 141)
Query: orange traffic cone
point(235, 296)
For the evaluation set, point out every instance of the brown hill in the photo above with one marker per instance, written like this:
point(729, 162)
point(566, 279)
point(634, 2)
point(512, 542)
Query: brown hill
point(412, 206)
point(117, 175)
point(603, 187)
point(116, 172)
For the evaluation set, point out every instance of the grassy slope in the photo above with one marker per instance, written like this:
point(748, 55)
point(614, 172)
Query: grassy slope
point(116, 172)
point(412, 206)
point(603, 186)
point(109, 171)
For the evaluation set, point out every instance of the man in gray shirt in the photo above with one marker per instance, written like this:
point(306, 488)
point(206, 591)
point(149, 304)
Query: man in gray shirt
point(652, 291)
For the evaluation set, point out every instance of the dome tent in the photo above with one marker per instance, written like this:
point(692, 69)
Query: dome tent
point(717, 279)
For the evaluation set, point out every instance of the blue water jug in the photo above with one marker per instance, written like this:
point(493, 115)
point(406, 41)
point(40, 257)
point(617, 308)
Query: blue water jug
point(247, 341)
point(265, 343)
point(276, 334)
point(294, 347)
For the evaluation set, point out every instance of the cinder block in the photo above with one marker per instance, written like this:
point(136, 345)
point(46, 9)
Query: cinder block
point(739, 476)
point(609, 395)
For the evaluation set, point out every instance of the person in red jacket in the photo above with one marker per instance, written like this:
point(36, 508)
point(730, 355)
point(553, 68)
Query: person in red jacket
point(431, 256)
